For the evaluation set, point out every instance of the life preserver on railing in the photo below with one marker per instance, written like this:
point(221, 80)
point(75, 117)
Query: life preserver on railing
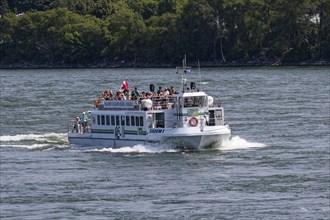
point(193, 122)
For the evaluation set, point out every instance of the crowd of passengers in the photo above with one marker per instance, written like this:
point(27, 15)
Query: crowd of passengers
point(135, 94)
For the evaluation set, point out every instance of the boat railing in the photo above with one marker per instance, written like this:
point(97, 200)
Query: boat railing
point(158, 103)
point(179, 124)
point(73, 127)
point(162, 102)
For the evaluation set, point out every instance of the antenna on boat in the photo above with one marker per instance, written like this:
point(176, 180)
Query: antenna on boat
point(184, 72)
point(200, 77)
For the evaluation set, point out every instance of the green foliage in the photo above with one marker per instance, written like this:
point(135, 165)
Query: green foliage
point(127, 28)
point(161, 31)
point(162, 34)
point(54, 36)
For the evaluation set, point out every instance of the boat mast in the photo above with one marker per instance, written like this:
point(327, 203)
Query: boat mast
point(200, 77)
point(184, 72)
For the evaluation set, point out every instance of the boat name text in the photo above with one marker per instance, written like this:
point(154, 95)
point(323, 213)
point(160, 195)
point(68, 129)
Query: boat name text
point(119, 104)
point(156, 130)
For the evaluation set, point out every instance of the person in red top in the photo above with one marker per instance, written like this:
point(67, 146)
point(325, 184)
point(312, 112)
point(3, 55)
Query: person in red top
point(124, 85)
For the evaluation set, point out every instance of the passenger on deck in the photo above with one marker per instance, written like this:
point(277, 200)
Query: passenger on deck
point(76, 125)
point(173, 90)
point(132, 95)
point(158, 106)
point(149, 95)
point(137, 92)
point(166, 92)
point(111, 95)
point(126, 95)
point(107, 95)
point(143, 96)
point(160, 91)
point(84, 120)
point(119, 96)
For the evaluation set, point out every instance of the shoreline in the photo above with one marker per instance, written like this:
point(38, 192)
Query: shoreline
point(147, 65)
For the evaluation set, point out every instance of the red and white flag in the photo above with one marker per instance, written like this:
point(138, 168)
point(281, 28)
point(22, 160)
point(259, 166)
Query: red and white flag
point(124, 85)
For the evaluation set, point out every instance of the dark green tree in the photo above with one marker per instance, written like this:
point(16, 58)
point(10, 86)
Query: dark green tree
point(195, 35)
point(162, 34)
point(128, 30)
point(4, 7)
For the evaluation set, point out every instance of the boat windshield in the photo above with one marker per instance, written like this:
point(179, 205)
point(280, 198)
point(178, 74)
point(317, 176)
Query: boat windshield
point(196, 101)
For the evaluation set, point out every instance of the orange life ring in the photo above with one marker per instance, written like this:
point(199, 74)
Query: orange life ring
point(193, 122)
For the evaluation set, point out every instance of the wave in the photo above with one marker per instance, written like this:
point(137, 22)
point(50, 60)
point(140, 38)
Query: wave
point(35, 141)
point(36, 146)
point(235, 143)
point(50, 137)
point(49, 141)
point(139, 148)
point(238, 143)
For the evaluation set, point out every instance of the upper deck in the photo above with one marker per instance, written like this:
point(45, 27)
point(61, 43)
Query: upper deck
point(185, 99)
point(152, 103)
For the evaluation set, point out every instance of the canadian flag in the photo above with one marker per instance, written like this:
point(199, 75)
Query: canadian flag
point(124, 85)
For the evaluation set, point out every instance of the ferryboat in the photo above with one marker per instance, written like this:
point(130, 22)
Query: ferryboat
point(184, 119)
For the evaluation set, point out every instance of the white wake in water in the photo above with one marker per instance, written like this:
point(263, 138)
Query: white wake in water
point(139, 148)
point(237, 143)
point(51, 137)
point(50, 141)
point(34, 141)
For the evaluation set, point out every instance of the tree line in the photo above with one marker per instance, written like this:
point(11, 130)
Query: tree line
point(160, 32)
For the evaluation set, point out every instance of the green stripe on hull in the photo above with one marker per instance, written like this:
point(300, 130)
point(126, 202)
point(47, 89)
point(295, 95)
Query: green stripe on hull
point(111, 131)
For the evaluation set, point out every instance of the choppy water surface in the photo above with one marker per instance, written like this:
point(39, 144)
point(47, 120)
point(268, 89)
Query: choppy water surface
point(276, 165)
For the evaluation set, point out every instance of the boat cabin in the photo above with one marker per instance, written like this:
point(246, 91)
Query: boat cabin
point(189, 109)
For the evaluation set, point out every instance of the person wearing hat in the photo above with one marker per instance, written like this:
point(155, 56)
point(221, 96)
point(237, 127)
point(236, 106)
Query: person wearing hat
point(76, 125)
point(84, 119)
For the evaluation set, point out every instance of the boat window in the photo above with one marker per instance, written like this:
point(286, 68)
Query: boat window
point(137, 121)
point(141, 121)
point(122, 120)
point(98, 120)
point(188, 102)
point(211, 118)
point(198, 101)
point(160, 120)
point(117, 120)
point(127, 121)
point(205, 101)
point(107, 118)
point(102, 120)
point(112, 120)
point(133, 120)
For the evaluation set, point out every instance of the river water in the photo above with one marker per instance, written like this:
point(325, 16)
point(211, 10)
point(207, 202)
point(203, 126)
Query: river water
point(276, 165)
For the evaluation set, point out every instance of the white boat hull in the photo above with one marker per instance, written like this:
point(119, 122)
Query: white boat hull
point(182, 138)
point(194, 138)
point(102, 141)
point(198, 141)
